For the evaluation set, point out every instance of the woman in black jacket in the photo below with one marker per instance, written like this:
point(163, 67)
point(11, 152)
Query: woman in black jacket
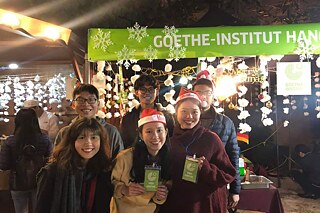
point(24, 153)
point(77, 178)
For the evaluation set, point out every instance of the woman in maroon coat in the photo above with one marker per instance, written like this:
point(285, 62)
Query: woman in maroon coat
point(203, 191)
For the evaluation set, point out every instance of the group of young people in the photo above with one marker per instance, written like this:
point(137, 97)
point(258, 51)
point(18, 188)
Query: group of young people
point(156, 163)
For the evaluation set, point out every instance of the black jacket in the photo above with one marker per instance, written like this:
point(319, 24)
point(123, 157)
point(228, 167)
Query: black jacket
point(59, 191)
point(224, 128)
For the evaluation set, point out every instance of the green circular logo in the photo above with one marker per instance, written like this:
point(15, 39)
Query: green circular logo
point(294, 71)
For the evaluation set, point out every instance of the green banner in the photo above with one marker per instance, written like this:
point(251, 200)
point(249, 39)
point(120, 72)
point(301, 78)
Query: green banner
point(139, 42)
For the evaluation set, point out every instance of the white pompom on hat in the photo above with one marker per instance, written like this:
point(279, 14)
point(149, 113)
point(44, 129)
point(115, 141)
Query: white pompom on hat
point(30, 103)
point(151, 115)
point(185, 94)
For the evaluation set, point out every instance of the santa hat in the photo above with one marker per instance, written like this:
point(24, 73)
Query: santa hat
point(151, 115)
point(185, 93)
point(203, 77)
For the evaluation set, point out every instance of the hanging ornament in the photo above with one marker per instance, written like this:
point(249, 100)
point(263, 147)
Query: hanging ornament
point(227, 100)
point(269, 104)
point(136, 68)
point(260, 96)
point(168, 68)
point(231, 105)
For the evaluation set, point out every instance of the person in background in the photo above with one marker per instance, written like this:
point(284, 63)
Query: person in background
point(308, 173)
point(86, 102)
point(77, 177)
point(202, 188)
point(26, 133)
point(146, 89)
point(128, 173)
point(48, 121)
point(223, 126)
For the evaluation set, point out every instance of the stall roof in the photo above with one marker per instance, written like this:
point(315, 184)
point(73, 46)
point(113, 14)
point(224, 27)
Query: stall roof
point(17, 46)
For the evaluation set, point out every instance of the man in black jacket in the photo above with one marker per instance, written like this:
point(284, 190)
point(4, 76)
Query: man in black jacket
point(308, 173)
point(146, 90)
point(223, 127)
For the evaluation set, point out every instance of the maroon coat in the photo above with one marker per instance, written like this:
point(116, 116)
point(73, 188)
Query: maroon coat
point(209, 193)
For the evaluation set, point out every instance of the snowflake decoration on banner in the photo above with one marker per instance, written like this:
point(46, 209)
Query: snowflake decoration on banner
point(170, 31)
point(177, 53)
point(304, 50)
point(137, 32)
point(102, 40)
point(126, 55)
point(150, 53)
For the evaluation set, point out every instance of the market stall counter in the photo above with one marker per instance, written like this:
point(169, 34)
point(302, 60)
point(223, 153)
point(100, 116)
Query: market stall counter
point(259, 195)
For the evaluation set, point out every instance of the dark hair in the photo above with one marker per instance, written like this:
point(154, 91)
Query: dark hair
point(148, 80)
point(141, 158)
point(26, 128)
point(203, 81)
point(85, 88)
point(301, 148)
point(66, 156)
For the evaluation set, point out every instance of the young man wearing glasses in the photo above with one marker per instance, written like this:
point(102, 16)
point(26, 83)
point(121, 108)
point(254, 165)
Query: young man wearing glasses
point(86, 103)
point(146, 90)
point(223, 126)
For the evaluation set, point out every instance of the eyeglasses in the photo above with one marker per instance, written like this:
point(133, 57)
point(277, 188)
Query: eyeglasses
point(206, 93)
point(147, 90)
point(90, 100)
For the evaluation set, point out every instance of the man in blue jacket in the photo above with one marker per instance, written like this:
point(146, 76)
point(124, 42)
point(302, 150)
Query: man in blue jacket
point(223, 127)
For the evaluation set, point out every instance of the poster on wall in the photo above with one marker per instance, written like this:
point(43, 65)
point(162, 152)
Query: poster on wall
point(294, 78)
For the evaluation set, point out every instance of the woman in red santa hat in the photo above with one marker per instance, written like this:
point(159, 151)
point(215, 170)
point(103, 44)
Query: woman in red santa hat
point(201, 166)
point(141, 174)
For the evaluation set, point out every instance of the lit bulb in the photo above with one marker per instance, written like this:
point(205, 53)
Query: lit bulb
point(51, 33)
point(13, 66)
point(10, 19)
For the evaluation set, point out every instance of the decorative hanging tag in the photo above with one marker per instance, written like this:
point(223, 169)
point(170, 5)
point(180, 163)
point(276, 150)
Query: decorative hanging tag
point(151, 177)
point(191, 168)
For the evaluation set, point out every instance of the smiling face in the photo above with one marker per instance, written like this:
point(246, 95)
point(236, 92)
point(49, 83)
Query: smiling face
point(188, 113)
point(154, 136)
point(206, 92)
point(83, 108)
point(87, 144)
point(147, 95)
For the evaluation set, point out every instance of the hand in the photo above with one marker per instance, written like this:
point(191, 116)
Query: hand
point(133, 189)
point(161, 193)
point(200, 161)
point(233, 200)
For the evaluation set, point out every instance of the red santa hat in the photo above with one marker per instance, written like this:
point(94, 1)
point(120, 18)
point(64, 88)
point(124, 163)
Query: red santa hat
point(203, 77)
point(151, 115)
point(185, 93)
point(203, 74)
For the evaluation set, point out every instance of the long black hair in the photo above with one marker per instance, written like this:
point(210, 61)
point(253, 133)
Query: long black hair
point(26, 129)
point(141, 158)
